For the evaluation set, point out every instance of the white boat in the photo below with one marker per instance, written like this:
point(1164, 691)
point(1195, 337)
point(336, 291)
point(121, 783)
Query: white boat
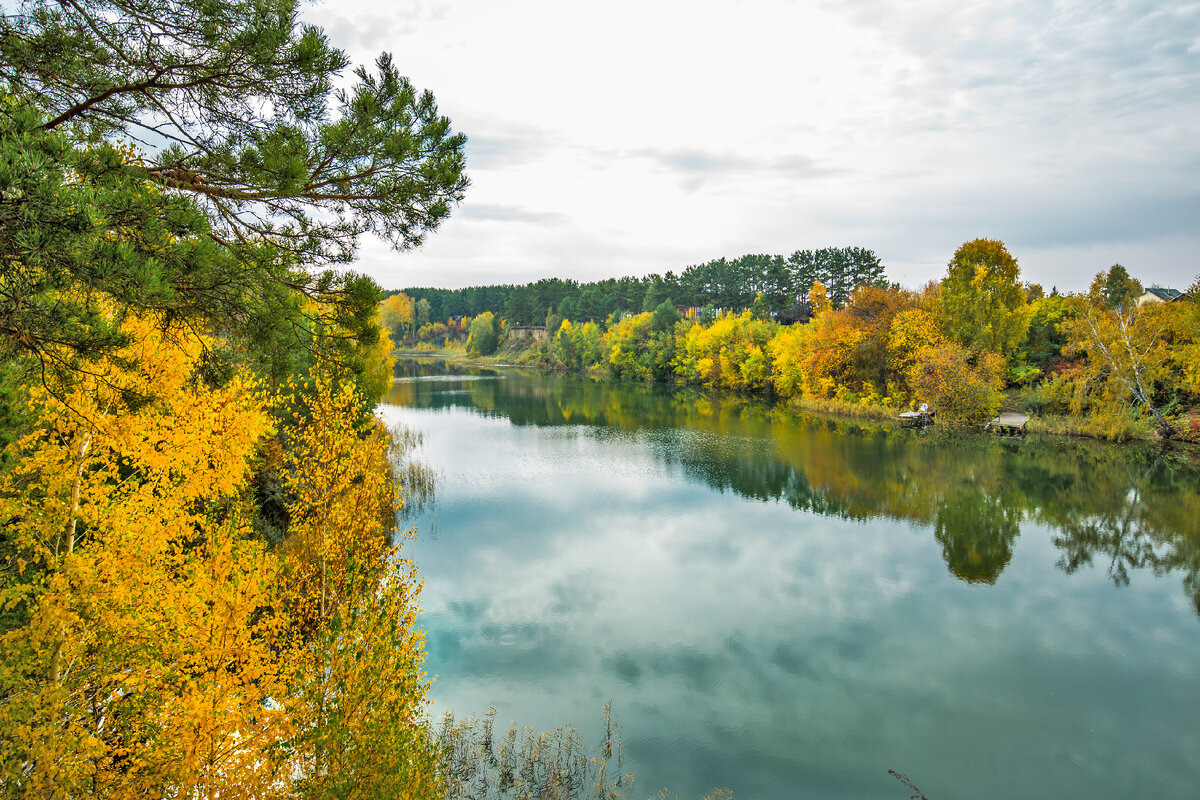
point(922, 416)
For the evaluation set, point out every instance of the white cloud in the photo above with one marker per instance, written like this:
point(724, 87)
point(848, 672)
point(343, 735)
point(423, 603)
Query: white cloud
point(632, 138)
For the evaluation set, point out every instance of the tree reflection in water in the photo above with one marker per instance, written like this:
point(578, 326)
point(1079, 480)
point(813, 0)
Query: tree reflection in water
point(1135, 506)
point(977, 532)
point(1139, 528)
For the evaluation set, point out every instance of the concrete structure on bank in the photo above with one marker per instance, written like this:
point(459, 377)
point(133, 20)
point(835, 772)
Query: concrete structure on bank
point(537, 333)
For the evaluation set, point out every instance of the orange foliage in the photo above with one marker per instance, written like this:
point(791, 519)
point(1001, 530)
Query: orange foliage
point(945, 378)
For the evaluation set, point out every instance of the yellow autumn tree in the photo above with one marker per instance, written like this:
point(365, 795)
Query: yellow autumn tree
point(358, 694)
point(138, 660)
point(828, 361)
point(958, 387)
point(818, 299)
point(914, 331)
point(153, 645)
point(1130, 357)
point(983, 300)
point(398, 315)
point(630, 351)
point(788, 351)
point(1188, 351)
point(731, 353)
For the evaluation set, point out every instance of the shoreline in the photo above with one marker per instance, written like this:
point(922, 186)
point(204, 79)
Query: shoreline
point(1067, 426)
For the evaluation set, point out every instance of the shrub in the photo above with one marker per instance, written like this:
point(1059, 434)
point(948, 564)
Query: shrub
point(961, 391)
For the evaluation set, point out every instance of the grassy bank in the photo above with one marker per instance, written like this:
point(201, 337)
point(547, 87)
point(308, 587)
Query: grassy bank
point(842, 408)
point(459, 355)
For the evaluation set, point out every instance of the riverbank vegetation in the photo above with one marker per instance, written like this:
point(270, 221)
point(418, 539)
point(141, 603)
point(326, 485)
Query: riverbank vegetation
point(481, 762)
point(204, 589)
point(1104, 363)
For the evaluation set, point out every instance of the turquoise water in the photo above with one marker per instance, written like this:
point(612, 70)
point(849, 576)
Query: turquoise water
point(791, 606)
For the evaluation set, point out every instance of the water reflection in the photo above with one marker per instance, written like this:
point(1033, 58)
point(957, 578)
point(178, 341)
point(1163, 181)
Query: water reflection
point(1131, 506)
point(977, 532)
point(793, 605)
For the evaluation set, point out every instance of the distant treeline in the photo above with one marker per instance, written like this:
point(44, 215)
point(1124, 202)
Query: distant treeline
point(778, 284)
point(1116, 362)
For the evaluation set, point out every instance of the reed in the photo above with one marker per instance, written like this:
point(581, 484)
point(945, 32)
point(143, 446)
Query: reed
point(844, 408)
point(524, 764)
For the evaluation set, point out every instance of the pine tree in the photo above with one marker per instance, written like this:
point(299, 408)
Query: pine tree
point(268, 175)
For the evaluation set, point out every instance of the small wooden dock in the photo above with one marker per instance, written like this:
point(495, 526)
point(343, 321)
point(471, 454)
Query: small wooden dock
point(1010, 422)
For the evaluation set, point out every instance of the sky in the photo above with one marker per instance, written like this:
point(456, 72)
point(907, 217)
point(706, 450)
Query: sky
point(636, 137)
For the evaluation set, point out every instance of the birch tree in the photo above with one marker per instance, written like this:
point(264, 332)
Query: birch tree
point(1129, 353)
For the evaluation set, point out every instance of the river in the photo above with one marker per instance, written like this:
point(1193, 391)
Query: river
point(791, 605)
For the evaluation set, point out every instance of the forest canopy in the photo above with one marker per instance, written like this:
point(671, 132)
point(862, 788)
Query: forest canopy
point(778, 284)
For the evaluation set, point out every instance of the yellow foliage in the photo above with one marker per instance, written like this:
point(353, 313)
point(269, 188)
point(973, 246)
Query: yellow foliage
point(858, 354)
point(398, 315)
point(945, 378)
point(787, 351)
point(358, 693)
point(912, 331)
point(153, 645)
point(341, 494)
point(828, 358)
point(625, 340)
point(380, 364)
point(1135, 356)
point(818, 299)
point(728, 354)
point(142, 654)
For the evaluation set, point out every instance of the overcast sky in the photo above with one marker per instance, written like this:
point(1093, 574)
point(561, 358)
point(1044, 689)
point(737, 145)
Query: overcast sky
point(626, 138)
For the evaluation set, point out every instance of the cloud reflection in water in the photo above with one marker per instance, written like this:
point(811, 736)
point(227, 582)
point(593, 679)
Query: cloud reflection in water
point(756, 644)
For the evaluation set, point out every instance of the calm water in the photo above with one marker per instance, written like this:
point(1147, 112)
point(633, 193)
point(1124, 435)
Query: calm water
point(790, 606)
